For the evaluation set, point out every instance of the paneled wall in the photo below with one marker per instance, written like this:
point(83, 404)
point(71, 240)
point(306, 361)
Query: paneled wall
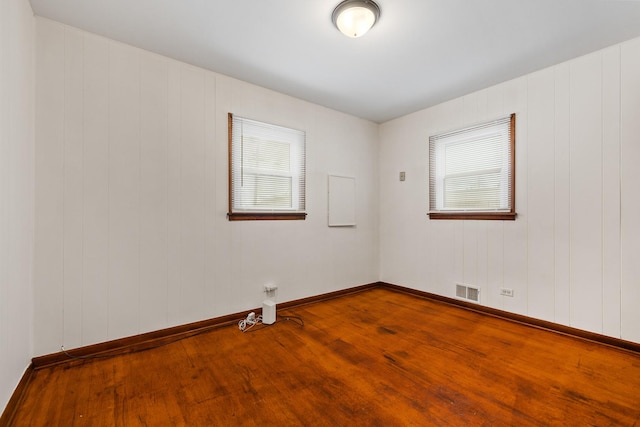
point(573, 254)
point(131, 195)
point(16, 192)
point(131, 232)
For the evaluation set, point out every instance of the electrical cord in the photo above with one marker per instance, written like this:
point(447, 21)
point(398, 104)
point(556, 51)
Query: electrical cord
point(295, 319)
point(249, 322)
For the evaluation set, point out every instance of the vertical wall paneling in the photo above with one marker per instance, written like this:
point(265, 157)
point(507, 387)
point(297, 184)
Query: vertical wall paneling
point(470, 253)
point(73, 203)
point(5, 108)
point(428, 260)
point(210, 190)
point(457, 237)
point(586, 192)
point(495, 264)
point(630, 196)
point(515, 232)
point(482, 259)
point(562, 191)
point(124, 190)
point(611, 191)
point(474, 107)
point(153, 194)
point(49, 172)
point(445, 258)
point(174, 188)
point(192, 201)
point(540, 194)
point(95, 274)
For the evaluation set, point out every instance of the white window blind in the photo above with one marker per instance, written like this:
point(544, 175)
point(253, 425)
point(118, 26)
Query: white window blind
point(471, 170)
point(267, 167)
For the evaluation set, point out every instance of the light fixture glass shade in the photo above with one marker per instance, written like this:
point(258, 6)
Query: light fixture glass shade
point(355, 17)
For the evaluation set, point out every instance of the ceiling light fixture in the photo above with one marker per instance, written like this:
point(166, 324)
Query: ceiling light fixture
point(355, 17)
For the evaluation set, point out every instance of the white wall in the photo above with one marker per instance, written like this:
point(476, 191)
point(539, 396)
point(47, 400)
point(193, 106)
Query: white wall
point(573, 254)
point(131, 195)
point(16, 192)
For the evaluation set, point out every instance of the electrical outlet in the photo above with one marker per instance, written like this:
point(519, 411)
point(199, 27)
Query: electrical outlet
point(507, 292)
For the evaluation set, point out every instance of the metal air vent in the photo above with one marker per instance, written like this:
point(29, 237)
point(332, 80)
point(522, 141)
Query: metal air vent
point(469, 293)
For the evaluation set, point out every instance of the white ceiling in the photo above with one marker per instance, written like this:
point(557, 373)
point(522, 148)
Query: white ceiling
point(420, 53)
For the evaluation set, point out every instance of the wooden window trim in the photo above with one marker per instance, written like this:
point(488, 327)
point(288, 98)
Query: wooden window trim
point(230, 164)
point(261, 216)
point(504, 216)
point(488, 215)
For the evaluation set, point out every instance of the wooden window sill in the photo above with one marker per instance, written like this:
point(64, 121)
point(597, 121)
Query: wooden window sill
point(265, 216)
point(502, 216)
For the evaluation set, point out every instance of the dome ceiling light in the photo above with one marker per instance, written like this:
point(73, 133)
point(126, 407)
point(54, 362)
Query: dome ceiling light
point(355, 17)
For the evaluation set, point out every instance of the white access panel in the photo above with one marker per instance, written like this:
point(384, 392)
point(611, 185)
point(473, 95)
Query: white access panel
point(342, 201)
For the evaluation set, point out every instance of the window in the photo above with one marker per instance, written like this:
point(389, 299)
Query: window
point(472, 172)
point(266, 171)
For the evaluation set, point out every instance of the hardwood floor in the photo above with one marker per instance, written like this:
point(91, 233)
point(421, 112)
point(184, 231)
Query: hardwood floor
point(375, 358)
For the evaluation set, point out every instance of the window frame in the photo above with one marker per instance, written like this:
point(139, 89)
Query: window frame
point(257, 215)
point(505, 215)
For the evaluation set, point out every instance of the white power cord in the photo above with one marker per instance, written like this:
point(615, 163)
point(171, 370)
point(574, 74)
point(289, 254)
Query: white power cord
point(249, 322)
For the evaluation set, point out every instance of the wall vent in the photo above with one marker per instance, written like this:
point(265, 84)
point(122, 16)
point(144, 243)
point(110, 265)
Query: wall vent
point(468, 293)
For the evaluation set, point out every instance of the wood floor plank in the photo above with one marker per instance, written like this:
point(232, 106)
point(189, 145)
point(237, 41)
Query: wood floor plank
point(375, 358)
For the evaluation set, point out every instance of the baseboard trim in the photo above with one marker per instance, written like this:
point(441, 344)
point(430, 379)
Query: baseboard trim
point(526, 320)
point(16, 398)
point(132, 343)
point(328, 296)
point(157, 338)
